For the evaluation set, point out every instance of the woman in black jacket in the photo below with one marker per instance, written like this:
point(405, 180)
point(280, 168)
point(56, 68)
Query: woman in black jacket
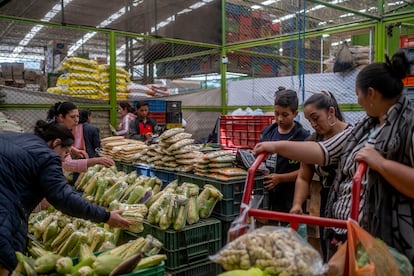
point(31, 169)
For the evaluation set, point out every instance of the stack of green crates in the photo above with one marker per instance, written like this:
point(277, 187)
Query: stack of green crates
point(188, 250)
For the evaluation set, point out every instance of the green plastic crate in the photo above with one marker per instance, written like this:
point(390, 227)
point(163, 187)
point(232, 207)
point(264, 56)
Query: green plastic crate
point(125, 167)
point(158, 270)
point(197, 253)
point(204, 230)
point(232, 191)
point(202, 269)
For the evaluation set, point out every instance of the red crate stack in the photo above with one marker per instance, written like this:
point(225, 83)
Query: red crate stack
point(242, 131)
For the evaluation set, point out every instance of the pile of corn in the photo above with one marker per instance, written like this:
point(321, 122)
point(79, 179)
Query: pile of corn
point(118, 260)
point(176, 206)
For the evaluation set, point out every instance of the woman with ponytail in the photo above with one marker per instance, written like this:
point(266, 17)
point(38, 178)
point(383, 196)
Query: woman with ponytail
point(384, 140)
point(31, 169)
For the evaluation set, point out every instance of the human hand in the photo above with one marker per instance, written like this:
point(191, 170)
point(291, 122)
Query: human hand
point(296, 209)
point(78, 154)
point(116, 220)
point(148, 135)
point(370, 156)
point(111, 127)
point(106, 161)
point(270, 181)
point(263, 147)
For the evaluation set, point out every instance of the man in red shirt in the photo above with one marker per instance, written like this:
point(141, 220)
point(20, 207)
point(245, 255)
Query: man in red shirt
point(142, 127)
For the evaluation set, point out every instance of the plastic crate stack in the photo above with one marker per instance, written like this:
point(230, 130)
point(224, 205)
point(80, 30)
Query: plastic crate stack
point(188, 250)
point(242, 131)
point(407, 45)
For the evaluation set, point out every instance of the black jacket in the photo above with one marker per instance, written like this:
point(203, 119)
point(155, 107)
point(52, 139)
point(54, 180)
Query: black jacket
point(30, 171)
point(92, 139)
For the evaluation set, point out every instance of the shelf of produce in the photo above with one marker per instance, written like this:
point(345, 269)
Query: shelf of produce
point(229, 207)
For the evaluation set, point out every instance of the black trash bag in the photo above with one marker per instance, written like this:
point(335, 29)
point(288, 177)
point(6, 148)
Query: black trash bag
point(344, 60)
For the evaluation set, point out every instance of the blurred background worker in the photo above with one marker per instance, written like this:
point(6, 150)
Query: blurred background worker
point(142, 127)
point(127, 113)
point(90, 133)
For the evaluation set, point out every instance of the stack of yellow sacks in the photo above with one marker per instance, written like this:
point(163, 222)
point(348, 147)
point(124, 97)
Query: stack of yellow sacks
point(122, 80)
point(80, 79)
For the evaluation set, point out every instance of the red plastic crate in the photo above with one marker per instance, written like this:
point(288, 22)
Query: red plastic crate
point(409, 81)
point(160, 117)
point(242, 131)
point(407, 41)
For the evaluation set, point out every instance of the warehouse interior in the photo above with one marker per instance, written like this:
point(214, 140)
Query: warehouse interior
point(209, 71)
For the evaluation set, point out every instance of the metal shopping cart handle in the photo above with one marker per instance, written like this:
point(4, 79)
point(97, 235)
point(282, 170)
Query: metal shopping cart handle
point(295, 219)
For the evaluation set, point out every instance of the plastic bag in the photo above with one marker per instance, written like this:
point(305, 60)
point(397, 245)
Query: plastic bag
point(344, 60)
point(275, 250)
point(375, 259)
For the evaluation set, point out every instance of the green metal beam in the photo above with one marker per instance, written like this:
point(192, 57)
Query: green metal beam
point(193, 55)
point(223, 65)
point(344, 9)
point(112, 78)
point(47, 106)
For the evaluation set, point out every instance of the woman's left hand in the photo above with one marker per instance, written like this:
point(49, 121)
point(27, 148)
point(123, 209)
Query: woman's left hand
point(370, 156)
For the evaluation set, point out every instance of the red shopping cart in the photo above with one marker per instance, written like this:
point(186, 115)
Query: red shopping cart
point(294, 219)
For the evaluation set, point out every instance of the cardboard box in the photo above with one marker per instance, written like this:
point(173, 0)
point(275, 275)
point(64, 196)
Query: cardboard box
point(18, 69)
point(7, 71)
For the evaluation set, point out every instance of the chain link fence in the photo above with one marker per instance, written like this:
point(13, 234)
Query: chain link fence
point(164, 48)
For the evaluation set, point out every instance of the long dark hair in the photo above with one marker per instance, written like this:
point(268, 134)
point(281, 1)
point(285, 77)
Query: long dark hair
point(50, 131)
point(127, 106)
point(60, 108)
point(324, 100)
point(386, 77)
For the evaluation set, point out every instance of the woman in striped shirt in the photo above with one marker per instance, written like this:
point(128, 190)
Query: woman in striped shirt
point(387, 192)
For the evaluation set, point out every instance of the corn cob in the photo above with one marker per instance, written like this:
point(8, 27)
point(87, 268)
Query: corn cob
point(69, 244)
point(37, 251)
point(151, 182)
point(127, 265)
point(46, 263)
point(151, 261)
point(85, 253)
point(79, 179)
point(97, 239)
point(102, 186)
point(134, 248)
point(91, 186)
point(84, 180)
point(75, 250)
point(126, 192)
point(154, 198)
point(119, 249)
point(104, 264)
point(136, 194)
point(63, 235)
point(64, 265)
point(25, 264)
point(42, 226)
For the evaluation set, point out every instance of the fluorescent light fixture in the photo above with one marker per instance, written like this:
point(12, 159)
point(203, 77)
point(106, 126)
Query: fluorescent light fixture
point(268, 2)
point(35, 29)
point(197, 5)
point(103, 24)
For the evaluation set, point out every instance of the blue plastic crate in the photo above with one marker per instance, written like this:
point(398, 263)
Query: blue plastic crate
point(145, 170)
point(165, 176)
point(157, 106)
